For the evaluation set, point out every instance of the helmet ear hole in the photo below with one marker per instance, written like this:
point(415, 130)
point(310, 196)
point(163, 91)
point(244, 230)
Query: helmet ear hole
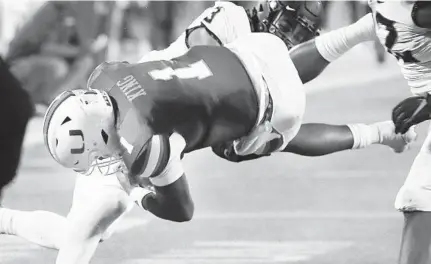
point(105, 136)
point(67, 119)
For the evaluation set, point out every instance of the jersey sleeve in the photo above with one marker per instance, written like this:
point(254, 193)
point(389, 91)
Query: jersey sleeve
point(335, 43)
point(176, 49)
point(173, 169)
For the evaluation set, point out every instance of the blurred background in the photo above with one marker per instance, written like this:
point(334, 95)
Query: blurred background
point(282, 209)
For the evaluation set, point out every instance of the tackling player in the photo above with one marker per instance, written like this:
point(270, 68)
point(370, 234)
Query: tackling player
point(294, 23)
point(404, 29)
point(107, 200)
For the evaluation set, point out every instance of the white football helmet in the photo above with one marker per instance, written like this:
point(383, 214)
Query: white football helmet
point(80, 130)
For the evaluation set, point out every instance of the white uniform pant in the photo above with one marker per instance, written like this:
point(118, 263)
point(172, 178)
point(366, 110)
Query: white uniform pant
point(272, 72)
point(415, 194)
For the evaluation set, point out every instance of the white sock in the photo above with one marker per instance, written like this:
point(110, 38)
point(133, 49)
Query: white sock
point(364, 135)
point(40, 227)
point(333, 44)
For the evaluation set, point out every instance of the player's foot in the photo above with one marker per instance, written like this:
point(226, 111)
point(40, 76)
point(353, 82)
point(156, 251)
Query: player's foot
point(397, 142)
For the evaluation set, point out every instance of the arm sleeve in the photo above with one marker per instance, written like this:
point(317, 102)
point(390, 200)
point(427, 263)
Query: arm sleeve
point(174, 168)
point(335, 43)
point(176, 49)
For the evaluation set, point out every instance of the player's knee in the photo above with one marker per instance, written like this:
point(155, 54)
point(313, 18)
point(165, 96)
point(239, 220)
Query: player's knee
point(184, 213)
point(413, 198)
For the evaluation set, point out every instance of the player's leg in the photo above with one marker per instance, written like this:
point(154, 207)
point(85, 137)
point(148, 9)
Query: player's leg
point(94, 207)
point(416, 238)
point(414, 199)
point(323, 139)
point(43, 228)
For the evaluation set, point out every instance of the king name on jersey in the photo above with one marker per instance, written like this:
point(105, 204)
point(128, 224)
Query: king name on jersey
point(131, 88)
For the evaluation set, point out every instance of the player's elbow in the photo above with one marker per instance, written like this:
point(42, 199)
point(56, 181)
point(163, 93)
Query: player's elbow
point(184, 213)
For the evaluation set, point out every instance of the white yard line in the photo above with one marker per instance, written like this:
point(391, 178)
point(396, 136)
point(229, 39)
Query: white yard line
point(226, 252)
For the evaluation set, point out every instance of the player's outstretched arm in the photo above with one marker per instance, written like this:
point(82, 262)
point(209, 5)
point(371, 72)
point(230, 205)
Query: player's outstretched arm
point(312, 57)
point(171, 199)
point(315, 139)
point(171, 202)
point(323, 139)
point(311, 140)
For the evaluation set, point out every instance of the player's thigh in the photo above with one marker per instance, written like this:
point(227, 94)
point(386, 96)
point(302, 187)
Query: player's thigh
point(419, 173)
point(415, 194)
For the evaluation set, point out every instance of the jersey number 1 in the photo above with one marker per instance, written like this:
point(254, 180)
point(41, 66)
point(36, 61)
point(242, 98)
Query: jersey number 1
point(198, 70)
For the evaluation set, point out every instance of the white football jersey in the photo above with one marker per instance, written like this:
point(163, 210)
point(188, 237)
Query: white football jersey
point(224, 22)
point(410, 44)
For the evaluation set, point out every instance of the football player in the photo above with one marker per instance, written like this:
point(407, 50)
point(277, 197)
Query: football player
point(404, 29)
point(294, 22)
point(78, 235)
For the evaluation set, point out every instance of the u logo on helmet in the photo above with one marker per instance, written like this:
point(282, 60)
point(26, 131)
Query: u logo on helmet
point(80, 134)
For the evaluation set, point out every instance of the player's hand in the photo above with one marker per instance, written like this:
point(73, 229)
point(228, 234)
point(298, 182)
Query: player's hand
point(226, 151)
point(127, 182)
point(411, 111)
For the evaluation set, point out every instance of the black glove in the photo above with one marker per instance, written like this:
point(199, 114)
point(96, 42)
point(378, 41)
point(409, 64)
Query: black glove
point(227, 152)
point(411, 111)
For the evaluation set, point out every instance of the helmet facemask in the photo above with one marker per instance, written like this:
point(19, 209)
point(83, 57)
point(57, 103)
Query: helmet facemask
point(292, 21)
